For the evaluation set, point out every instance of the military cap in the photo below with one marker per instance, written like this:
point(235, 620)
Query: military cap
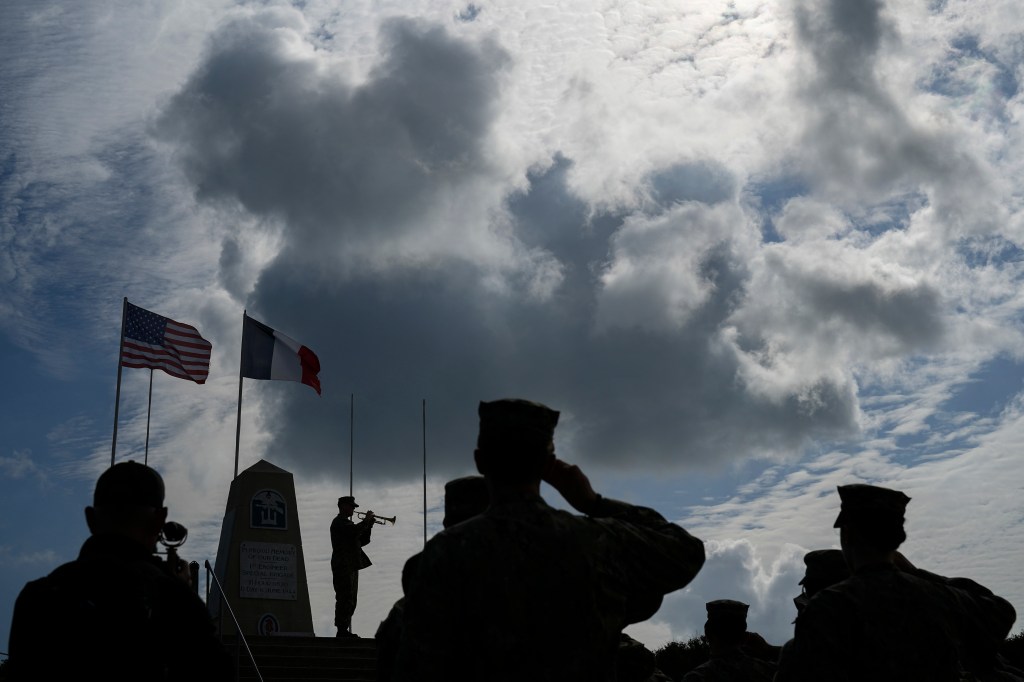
point(522, 418)
point(347, 499)
point(871, 503)
point(464, 498)
point(825, 567)
point(727, 610)
point(129, 484)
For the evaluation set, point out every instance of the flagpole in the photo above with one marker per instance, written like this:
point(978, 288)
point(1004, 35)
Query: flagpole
point(117, 394)
point(149, 411)
point(351, 437)
point(424, 471)
point(238, 417)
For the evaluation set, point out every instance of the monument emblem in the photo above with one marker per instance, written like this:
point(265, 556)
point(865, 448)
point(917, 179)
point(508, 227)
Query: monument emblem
point(268, 510)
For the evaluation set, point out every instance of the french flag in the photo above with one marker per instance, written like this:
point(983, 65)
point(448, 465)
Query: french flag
point(269, 354)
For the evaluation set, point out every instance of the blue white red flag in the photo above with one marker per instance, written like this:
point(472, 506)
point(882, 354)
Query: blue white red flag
point(269, 354)
point(156, 342)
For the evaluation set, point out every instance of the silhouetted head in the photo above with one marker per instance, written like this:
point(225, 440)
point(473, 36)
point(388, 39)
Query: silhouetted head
point(871, 516)
point(128, 484)
point(727, 622)
point(464, 498)
point(824, 567)
point(516, 440)
point(128, 500)
point(347, 505)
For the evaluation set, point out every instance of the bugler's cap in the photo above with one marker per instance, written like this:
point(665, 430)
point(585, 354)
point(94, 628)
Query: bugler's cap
point(129, 484)
point(727, 610)
point(825, 567)
point(347, 499)
point(870, 503)
point(520, 418)
point(464, 498)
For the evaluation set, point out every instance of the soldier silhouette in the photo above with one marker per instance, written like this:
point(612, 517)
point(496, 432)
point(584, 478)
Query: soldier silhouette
point(525, 591)
point(464, 498)
point(726, 633)
point(347, 559)
point(117, 612)
point(824, 567)
point(891, 621)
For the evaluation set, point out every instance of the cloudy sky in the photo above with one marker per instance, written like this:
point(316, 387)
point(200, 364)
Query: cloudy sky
point(751, 250)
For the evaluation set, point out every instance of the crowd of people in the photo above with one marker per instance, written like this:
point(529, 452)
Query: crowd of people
point(515, 589)
point(524, 591)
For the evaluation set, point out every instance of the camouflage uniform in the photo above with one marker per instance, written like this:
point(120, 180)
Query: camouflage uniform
point(528, 592)
point(884, 624)
point(732, 667)
point(347, 559)
point(464, 498)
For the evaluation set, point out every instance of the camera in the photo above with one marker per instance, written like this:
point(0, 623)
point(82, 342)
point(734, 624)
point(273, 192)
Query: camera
point(172, 536)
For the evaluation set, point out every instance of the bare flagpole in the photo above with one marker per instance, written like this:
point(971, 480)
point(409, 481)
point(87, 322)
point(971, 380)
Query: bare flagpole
point(424, 471)
point(351, 437)
point(238, 418)
point(149, 411)
point(117, 394)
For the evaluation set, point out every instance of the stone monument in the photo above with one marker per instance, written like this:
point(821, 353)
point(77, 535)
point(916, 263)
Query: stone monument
point(259, 559)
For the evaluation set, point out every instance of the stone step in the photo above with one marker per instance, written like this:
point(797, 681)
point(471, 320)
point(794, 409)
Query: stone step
point(308, 658)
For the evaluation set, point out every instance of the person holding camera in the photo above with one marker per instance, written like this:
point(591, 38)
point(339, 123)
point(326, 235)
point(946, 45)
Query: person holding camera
point(118, 611)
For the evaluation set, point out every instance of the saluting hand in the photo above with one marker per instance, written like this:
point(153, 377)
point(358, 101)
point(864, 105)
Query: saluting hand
point(572, 484)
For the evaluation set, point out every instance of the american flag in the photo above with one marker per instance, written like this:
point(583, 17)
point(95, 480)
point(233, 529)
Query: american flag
point(156, 342)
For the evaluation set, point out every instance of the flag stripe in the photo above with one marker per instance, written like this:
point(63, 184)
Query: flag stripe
point(152, 341)
point(166, 367)
point(133, 345)
point(257, 349)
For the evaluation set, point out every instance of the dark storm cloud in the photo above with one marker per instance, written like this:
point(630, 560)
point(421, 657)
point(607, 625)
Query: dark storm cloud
point(336, 165)
point(844, 38)
point(912, 315)
point(862, 142)
point(904, 317)
point(631, 397)
point(284, 137)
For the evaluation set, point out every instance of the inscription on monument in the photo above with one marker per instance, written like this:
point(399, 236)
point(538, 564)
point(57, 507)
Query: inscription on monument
point(268, 570)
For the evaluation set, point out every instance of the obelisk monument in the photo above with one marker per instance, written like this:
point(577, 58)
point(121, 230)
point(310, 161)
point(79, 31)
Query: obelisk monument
point(260, 562)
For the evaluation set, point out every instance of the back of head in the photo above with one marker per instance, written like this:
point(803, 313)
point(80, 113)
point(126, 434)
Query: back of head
point(515, 439)
point(464, 498)
point(727, 621)
point(126, 496)
point(874, 514)
point(824, 567)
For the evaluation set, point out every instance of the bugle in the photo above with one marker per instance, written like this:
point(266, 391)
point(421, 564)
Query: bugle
point(381, 520)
